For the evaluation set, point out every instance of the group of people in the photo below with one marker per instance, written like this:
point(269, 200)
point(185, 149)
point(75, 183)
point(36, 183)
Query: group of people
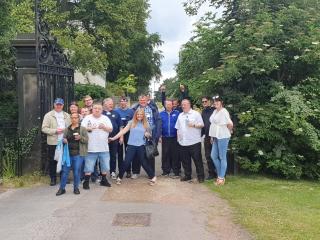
point(102, 140)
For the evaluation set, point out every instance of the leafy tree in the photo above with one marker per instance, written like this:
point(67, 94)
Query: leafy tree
point(101, 36)
point(262, 57)
point(6, 58)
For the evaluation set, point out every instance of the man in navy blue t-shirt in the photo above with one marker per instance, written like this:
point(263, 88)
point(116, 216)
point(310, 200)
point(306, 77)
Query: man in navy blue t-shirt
point(116, 124)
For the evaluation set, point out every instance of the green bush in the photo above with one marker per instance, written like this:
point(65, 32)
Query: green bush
point(95, 91)
point(280, 137)
point(15, 148)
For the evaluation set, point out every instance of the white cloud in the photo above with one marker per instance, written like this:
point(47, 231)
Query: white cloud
point(175, 27)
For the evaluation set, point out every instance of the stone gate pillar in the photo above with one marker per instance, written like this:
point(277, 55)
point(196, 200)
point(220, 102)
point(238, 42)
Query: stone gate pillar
point(27, 83)
point(28, 96)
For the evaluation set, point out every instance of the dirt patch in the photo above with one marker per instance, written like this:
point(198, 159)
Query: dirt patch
point(195, 197)
point(2, 189)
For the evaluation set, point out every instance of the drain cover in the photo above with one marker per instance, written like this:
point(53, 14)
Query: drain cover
point(132, 219)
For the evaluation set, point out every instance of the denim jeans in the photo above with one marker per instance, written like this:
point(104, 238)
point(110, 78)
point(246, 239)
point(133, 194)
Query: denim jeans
point(139, 153)
point(219, 155)
point(91, 159)
point(76, 163)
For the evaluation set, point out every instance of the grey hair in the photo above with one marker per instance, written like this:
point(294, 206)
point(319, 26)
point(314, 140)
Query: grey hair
point(107, 100)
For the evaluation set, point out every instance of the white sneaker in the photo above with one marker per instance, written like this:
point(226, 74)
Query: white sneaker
point(134, 176)
point(153, 181)
point(118, 182)
point(113, 176)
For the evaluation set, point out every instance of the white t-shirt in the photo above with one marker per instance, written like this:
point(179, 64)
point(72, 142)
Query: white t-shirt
point(60, 122)
point(98, 138)
point(219, 120)
point(188, 136)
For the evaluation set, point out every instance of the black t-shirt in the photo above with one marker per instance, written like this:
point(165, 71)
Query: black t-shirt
point(74, 148)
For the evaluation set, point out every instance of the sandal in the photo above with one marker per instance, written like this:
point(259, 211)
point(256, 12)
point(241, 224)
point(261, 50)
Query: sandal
point(219, 181)
point(118, 181)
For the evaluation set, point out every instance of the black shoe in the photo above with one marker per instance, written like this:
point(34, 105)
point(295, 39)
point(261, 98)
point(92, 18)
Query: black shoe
point(86, 182)
point(53, 182)
point(104, 182)
point(86, 185)
point(200, 180)
point(76, 191)
point(165, 174)
point(209, 178)
point(185, 178)
point(60, 192)
point(128, 175)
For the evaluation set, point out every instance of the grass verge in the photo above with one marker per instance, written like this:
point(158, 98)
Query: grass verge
point(273, 208)
point(27, 180)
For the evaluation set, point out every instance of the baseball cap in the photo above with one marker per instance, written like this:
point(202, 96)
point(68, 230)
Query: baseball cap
point(59, 101)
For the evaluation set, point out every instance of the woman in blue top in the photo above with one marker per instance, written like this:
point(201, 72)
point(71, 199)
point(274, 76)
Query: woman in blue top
point(139, 130)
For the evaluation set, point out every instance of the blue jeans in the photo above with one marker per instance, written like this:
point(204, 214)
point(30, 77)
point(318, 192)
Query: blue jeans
point(219, 155)
point(76, 163)
point(91, 159)
point(139, 153)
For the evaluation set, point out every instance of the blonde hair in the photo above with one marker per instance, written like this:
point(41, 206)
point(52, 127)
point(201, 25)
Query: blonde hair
point(135, 119)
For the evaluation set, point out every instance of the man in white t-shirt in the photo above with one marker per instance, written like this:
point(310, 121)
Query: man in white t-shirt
point(98, 127)
point(189, 125)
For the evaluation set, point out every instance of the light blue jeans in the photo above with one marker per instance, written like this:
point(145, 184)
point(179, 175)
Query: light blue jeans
point(93, 157)
point(219, 155)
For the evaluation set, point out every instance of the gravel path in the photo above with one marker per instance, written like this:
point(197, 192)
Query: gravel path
point(169, 210)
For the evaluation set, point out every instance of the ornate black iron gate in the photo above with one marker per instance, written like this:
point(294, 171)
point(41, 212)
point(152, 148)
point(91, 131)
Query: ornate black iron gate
point(55, 76)
point(54, 73)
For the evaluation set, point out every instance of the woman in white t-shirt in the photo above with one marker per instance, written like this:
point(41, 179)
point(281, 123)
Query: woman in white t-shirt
point(220, 133)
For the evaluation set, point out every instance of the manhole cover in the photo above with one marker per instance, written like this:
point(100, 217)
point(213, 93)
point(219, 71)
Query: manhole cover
point(132, 219)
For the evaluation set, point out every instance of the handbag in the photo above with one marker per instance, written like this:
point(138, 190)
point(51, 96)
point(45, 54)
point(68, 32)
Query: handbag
point(151, 149)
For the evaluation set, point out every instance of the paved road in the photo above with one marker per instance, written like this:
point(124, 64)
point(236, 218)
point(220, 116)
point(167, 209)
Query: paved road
point(169, 210)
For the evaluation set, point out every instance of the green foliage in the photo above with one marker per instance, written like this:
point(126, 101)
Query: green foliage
point(6, 59)
point(15, 148)
point(9, 106)
point(95, 91)
point(128, 84)
point(262, 57)
point(101, 37)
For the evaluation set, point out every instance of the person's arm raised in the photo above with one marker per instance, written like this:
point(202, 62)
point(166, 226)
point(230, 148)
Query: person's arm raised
point(122, 132)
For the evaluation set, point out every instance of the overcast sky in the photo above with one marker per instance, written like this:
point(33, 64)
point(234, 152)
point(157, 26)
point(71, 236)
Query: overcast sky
point(169, 19)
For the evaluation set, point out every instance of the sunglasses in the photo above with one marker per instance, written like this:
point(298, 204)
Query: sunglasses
point(204, 101)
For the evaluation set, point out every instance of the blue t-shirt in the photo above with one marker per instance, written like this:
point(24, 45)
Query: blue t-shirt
point(136, 137)
point(125, 114)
